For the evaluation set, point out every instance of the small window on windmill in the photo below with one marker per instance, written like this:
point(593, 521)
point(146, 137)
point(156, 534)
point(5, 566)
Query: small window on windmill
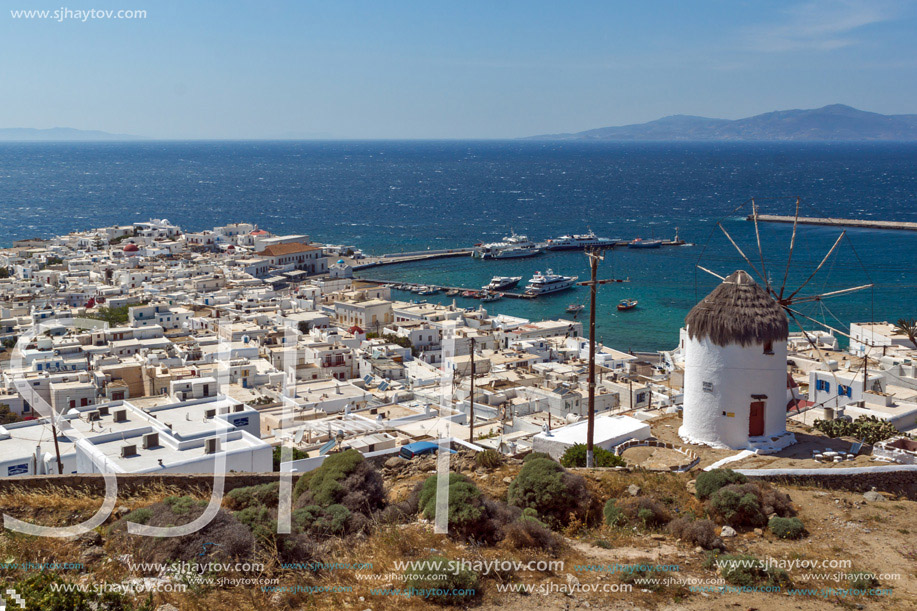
point(768, 347)
point(708, 386)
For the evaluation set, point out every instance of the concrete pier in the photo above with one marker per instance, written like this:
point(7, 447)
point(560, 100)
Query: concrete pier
point(808, 220)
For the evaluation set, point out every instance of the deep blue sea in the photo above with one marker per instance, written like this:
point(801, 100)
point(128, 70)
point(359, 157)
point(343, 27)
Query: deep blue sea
point(394, 196)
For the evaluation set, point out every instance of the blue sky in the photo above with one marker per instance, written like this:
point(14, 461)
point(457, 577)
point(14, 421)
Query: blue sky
point(437, 69)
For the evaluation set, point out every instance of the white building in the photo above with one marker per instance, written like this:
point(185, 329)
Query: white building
point(735, 369)
point(609, 432)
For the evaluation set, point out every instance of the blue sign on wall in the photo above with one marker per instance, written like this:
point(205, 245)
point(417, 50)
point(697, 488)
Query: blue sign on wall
point(22, 469)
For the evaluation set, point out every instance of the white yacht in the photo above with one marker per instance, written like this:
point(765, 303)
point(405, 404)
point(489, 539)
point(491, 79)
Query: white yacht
point(500, 283)
point(542, 284)
point(579, 242)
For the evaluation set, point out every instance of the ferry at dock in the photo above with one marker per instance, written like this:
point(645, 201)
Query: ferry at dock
point(512, 247)
point(542, 284)
point(579, 242)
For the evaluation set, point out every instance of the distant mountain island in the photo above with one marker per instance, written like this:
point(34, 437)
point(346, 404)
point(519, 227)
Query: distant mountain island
point(836, 122)
point(11, 134)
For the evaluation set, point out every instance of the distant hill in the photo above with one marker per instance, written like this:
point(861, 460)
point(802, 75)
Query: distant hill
point(9, 134)
point(835, 122)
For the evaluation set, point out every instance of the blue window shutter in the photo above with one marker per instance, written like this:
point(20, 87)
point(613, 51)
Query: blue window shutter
point(849, 391)
point(827, 387)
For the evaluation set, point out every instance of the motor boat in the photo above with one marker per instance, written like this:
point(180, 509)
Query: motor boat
point(542, 284)
point(500, 283)
point(627, 304)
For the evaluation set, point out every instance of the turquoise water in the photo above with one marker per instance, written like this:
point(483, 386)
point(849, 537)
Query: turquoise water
point(395, 196)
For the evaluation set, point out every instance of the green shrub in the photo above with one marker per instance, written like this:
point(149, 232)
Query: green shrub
point(787, 528)
point(333, 521)
point(709, 482)
point(260, 521)
point(465, 506)
point(737, 507)
point(325, 483)
point(745, 570)
point(140, 516)
point(614, 515)
point(249, 496)
point(182, 505)
point(534, 455)
point(575, 456)
point(547, 488)
point(47, 591)
point(296, 454)
point(344, 479)
point(489, 459)
point(461, 584)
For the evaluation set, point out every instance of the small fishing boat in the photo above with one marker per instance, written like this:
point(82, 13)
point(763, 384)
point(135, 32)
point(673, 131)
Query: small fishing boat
point(469, 294)
point(428, 290)
point(453, 292)
point(575, 308)
point(491, 296)
point(627, 304)
point(641, 243)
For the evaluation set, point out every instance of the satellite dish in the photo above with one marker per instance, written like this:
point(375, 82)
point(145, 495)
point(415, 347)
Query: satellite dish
point(297, 439)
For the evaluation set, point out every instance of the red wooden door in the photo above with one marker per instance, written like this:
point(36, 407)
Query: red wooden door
point(756, 419)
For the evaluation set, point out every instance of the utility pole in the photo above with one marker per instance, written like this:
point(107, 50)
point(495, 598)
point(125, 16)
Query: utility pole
point(471, 410)
point(594, 255)
point(60, 464)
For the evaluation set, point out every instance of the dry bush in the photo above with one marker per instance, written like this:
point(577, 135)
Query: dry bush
point(526, 533)
point(645, 511)
point(233, 541)
point(696, 532)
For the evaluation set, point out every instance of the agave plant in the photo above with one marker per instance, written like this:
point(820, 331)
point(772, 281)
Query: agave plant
point(867, 428)
point(908, 327)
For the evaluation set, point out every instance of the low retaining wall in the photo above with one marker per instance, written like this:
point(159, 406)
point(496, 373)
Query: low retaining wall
point(692, 457)
point(900, 480)
point(130, 483)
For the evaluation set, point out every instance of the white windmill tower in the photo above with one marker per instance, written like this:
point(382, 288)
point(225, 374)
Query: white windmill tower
point(735, 369)
point(736, 350)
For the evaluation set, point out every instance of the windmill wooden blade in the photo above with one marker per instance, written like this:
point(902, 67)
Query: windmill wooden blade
point(789, 258)
point(711, 273)
point(832, 294)
point(821, 356)
point(794, 313)
point(747, 260)
point(812, 275)
point(754, 215)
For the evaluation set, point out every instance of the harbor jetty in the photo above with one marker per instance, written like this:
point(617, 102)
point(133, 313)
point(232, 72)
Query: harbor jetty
point(809, 220)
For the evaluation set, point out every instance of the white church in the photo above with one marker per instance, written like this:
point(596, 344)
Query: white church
point(735, 385)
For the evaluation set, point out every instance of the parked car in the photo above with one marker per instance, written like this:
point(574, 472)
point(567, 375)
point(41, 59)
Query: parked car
point(419, 448)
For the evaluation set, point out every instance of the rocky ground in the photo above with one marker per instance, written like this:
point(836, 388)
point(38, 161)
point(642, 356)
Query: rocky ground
point(874, 532)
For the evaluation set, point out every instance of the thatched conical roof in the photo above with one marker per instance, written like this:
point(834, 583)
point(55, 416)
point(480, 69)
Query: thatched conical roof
point(738, 311)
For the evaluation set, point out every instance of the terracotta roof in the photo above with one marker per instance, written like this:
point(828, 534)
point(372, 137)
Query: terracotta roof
point(277, 250)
